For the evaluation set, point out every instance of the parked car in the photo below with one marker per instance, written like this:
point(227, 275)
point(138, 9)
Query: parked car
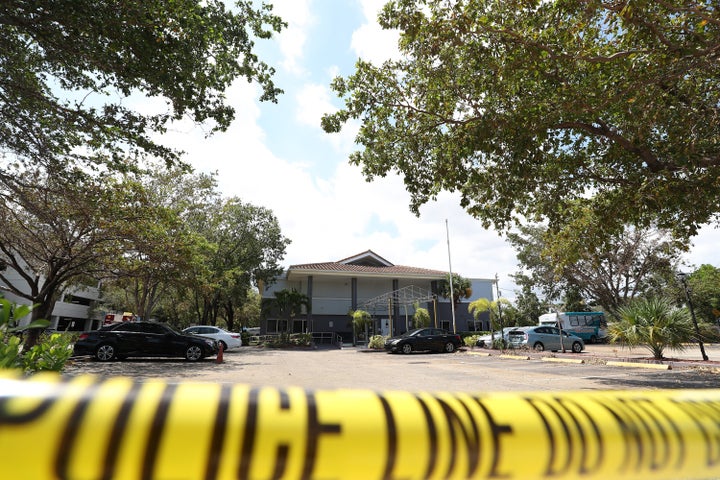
point(545, 338)
point(435, 339)
point(486, 340)
point(228, 340)
point(142, 339)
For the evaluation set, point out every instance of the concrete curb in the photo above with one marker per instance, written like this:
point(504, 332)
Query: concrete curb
point(655, 366)
point(563, 360)
point(514, 357)
point(479, 354)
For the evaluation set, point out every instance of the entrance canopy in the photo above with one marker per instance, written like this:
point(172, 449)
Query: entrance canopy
point(403, 297)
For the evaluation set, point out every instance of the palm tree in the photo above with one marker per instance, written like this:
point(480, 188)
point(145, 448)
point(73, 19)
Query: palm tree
point(653, 323)
point(421, 317)
point(493, 307)
point(361, 321)
point(461, 288)
point(289, 303)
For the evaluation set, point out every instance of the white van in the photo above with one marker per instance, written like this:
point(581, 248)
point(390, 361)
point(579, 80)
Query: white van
point(590, 326)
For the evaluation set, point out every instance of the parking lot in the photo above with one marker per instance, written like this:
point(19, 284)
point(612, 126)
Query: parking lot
point(479, 370)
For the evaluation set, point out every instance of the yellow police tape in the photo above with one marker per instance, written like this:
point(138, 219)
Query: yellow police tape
point(89, 428)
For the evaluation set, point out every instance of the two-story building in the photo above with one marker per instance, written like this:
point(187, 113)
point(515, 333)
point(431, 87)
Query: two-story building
point(367, 281)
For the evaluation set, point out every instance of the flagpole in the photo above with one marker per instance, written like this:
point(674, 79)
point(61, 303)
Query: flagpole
point(452, 293)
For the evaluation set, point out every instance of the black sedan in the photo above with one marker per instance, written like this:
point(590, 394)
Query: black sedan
point(142, 339)
point(435, 339)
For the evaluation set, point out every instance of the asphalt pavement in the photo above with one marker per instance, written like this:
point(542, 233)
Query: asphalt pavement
point(468, 370)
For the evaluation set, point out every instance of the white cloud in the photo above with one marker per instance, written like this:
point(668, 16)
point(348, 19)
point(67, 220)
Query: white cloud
point(292, 39)
point(370, 41)
point(339, 214)
point(313, 101)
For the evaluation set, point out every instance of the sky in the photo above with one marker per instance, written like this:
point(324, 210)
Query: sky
point(277, 156)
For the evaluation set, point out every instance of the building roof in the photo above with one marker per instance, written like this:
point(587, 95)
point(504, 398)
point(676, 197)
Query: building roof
point(366, 264)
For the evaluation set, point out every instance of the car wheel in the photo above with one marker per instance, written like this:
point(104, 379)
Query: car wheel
point(193, 353)
point(538, 347)
point(576, 347)
point(593, 339)
point(449, 347)
point(105, 352)
point(223, 345)
point(406, 348)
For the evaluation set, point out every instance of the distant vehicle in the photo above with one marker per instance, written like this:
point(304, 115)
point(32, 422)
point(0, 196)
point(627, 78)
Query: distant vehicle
point(229, 340)
point(487, 340)
point(252, 330)
point(142, 339)
point(423, 339)
point(545, 338)
point(590, 326)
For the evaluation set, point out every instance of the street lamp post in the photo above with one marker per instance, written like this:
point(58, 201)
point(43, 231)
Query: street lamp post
point(681, 276)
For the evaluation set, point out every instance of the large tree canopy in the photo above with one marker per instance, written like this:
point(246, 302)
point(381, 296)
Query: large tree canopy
point(634, 263)
point(69, 67)
point(585, 112)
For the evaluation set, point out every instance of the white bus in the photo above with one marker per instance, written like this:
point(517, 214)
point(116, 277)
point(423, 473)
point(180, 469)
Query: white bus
point(590, 326)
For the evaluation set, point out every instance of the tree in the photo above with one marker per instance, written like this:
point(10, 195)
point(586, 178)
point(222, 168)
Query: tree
point(246, 245)
point(421, 318)
point(654, 324)
point(494, 309)
point(704, 287)
point(161, 250)
point(361, 321)
point(461, 288)
point(528, 305)
point(589, 115)
point(249, 313)
point(626, 266)
point(69, 71)
point(62, 234)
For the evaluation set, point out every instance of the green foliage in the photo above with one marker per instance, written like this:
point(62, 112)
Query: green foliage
point(652, 323)
point(704, 287)
point(285, 340)
point(470, 340)
point(69, 70)
point(584, 114)
point(493, 307)
point(421, 318)
point(10, 346)
point(634, 262)
point(377, 342)
point(287, 304)
point(361, 320)
point(461, 287)
point(50, 353)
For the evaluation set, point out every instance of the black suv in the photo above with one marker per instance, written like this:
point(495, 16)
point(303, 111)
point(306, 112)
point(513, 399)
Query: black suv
point(143, 339)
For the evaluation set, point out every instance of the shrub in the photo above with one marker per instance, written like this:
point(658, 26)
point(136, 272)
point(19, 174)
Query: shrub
point(652, 323)
point(377, 342)
point(289, 340)
point(470, 340)
point(50, 353)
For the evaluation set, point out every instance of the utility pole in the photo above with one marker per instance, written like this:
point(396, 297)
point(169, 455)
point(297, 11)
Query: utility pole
point(499, 304)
